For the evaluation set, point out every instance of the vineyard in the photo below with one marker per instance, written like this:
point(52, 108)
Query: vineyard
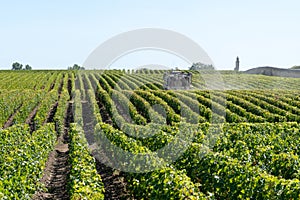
point(64, 133)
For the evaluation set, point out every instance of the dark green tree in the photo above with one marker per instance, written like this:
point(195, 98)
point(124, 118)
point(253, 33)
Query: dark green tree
point(76, 67)
point(28, 67)
point(201, 66)
point(295, 67)
point(17, 66)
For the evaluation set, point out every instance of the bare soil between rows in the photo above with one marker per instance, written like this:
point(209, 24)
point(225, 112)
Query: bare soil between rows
point(57, 169)
point(114, 181)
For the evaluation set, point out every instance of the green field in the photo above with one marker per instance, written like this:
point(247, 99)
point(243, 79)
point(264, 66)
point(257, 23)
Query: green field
point(234, 136)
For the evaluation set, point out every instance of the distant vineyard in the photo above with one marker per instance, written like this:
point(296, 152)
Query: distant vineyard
point(54, 124)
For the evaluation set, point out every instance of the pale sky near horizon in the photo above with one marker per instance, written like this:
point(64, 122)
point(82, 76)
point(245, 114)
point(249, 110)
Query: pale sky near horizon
point(56, 34)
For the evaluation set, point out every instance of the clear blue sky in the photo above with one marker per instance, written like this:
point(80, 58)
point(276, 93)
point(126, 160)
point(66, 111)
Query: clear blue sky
point(56, 34)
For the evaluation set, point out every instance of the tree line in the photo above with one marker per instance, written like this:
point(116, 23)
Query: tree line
point(18, 66)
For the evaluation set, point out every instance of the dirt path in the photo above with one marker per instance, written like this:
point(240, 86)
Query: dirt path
point(57, 168)
point(106, 118)
point(10, 119)
point(55, 174)
point(30, 118)
point(51, 113)
point(52, 85)
point(114, 182)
